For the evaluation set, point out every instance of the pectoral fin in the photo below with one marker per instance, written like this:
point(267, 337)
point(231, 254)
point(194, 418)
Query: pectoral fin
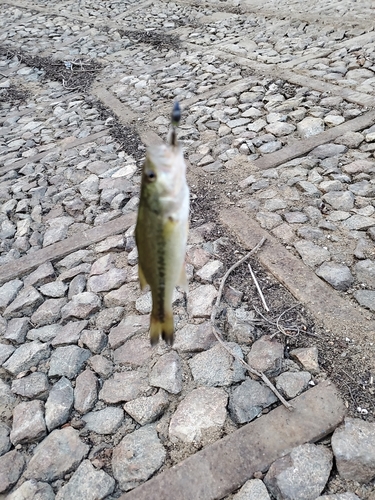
point(142, 280)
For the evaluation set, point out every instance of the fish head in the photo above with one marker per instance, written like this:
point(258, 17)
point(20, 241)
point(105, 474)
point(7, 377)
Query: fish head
point(164, 173)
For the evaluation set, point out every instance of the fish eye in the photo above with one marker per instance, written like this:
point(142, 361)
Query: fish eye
point(150, 175)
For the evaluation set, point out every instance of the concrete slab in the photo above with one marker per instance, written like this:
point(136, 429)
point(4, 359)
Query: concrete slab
point(224, 466)
point(62, 248)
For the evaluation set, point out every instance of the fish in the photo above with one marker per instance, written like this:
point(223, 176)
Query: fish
point(162, 229)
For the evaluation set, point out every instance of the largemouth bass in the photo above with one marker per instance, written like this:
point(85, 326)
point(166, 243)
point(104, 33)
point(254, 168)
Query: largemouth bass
point(162, 229)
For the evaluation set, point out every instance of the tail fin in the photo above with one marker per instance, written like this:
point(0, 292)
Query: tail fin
point(165, 328)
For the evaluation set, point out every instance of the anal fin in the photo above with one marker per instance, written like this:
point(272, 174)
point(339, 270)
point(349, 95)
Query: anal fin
point(142, 280)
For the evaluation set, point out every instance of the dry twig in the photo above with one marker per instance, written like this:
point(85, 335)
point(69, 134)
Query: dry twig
point(258, 288)
point(218, 336)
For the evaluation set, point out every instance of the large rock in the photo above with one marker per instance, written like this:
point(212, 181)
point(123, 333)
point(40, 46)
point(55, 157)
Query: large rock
point(311, 254)
point(216, 367)
point(81, 306)
point(310, 126)
point(8, 292)
point(146, 410)
point(138, 456)
point(68, 361)
point(34, 385)
point(87, 483)
point(337, 275)
point(59, 404)
point(128, 327)
point(201, 300)
point(307, 357)
point(28, 423)
point(49, 312)
point(253, 489)
point(123, 386)
point(32, 490)
point(365, 272)
point(194, 338)
point(365, 298)
point(340, 200)
point(248, 400)
point(266, 355)
point(135, 352)
point(203, 410)
point(110, 280)
point(354, 450)
point(4, 438)
point(167, 373)
point(27, 300)
point(291, 384)
point(85, 391)
point(26, 356)
point(59, 453)
point(7, 402)
point(105, 421)
point(11, 467)
point(300, 475)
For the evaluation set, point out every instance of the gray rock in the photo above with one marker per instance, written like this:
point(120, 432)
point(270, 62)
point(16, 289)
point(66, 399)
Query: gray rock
point(362, 188)
point(327, 186)
point(194, 338)
point(280, 128)
point(248, 400)
point(300, 475)
point(109, 317)
point(337, 275)
point(123, 386)
point(28, 423)
point(310, 126)
point(11, 467)
point(311, 233)
point(253, 489)
point(34, 385)
point(295, 217)
point(77, 285)
point(74, 259)
point(43, 274)
point(312, 255)
point(365, 272)
point(81, 306)
point(56, 289)
point(110, 280)
point(87, 483)
point(105, 421)
point(167, 373)
point(366, 298)
point(59, 404)
point(309, 188)
point(268, 220)
point(353, 447)
point(26, 356)
point(202, 411)
point(17, 329)
point(32, 490)
point(95, 340)
point(210, 270)
point(128, 327)
point(69, 334)
point(359, 222)
point(292, 384)
point(5, 443)
point(8, 292)
point(146, 410)
point(307, 357)
point(115, 242)
point(6, 351)
point(27, 300)
point(328, 150)
point(49, 312)
point(135, 352)
point(201, 300)
point(101, 365)
point(138, 456)
point(58, 454)
point(270, 147)
point(103, 264)
point(68, 361)
point(44, 333)
point(266, 356)
point(340, 200)
point(7, 402)
point(85, 391)
point(216, 367)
